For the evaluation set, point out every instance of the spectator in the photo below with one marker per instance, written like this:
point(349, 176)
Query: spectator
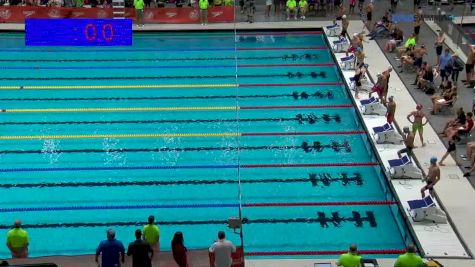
point(111, 250)
point(465, 129)
point(18, 241)
point(458, 121)
point(393, 5)
point(457, 67)
point(352, 7)
point(432, 178)
point(451, 149)
point(415, 58)
point(409, 259)
point(408, 138)
point(147, 3)
point(391, 110)
point(151, 234)
point(78, 3)
point(228, 2)
point(426, 79)
point(222, 250)
point(447, 98)
point(417, 123)
point(250, 7)
point(397, 36)
point(350, 259)
point(439, 44)
point(203, 11)
point(140, 251)
point(217, 2)
point(303, 5)
point(369, 15)
point(179, 250)
point(341, 11)
point(139, 5)
point(291, 9)
point(268, 7)
point(380, 29)
point(445, 64)
point(469, 65)
point(417, 22)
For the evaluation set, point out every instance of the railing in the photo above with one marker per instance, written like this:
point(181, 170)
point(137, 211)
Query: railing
point(453, 30)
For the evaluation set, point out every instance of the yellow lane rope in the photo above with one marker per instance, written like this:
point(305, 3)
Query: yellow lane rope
point(147, 86)
point(45, 110)
point(94, 136)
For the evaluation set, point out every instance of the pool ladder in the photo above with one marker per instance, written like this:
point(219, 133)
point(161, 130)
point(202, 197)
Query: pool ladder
point(118, 9)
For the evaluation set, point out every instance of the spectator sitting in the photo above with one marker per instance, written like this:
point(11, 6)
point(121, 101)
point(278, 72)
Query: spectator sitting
point(55, 3)
point(303, 5)
point(456, 131)
point(397, 36)
point(291, 9)
point(218, 2)
point(414, 58)
point(228, 3)
point(381, 28)
point(446, 85)
point(426, 79)
point(350, 259)
point(458, 121)
point(447, 98)
point(408, 46)
point(409, 259)
point(18, 241)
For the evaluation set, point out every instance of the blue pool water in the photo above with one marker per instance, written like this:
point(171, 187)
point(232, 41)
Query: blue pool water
point(259, 111)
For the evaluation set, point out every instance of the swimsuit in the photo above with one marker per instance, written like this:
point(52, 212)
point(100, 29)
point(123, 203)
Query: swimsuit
point(451, 147)
point(438, 50)
point(417, 126)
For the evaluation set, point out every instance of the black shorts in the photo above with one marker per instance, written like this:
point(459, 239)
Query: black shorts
point(429, 186)
point(418, 62)
point(417, 3)
point(369, 16)
point(451, 148)
point(463, 131)
point(438, 50)
point(468, 68)
point(417, 29)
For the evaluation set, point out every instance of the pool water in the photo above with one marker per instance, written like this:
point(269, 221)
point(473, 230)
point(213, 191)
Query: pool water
point(193, 128)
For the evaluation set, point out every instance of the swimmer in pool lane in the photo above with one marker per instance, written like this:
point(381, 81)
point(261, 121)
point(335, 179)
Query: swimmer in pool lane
point(432, 178)
point(417, 124)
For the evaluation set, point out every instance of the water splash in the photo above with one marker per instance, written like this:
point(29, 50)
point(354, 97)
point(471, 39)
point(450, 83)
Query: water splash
point(113, 157)
point(50, 150)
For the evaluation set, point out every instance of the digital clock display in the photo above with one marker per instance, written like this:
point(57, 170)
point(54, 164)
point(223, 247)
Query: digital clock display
point(78, 32)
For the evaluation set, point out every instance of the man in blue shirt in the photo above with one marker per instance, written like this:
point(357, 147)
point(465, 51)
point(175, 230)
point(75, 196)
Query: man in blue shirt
point(446, 65)
point(111, 250)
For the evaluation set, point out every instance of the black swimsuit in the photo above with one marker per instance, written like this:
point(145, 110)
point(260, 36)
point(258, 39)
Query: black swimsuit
point(358, 79)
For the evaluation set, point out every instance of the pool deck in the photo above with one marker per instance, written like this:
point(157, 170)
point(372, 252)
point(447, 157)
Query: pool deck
point(454, 191)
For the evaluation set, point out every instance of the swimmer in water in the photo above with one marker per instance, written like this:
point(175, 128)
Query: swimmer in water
point(433, 177)
point(417, 124)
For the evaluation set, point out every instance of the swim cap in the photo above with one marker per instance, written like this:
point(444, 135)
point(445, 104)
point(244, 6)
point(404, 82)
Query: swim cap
point(433, 160)
point(390, 68)
point(405, 129)
point(343, 17)
point(419, 107)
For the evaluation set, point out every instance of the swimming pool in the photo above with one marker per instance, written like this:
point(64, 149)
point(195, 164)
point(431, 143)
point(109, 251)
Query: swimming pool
point(193, 128)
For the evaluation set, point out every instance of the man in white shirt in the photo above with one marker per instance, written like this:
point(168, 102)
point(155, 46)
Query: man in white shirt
point(222, 250)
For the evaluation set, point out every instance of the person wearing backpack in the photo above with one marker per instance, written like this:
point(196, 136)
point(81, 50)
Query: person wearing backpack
point(458, 66)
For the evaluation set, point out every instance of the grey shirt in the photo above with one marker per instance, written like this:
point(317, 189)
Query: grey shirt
point(222, 250)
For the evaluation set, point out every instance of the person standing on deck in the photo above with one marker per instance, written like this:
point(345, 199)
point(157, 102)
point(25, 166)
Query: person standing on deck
point(432, 178)
point(18, 241)
point(391, 110)
point(151, 234)
point(223, 250)
point(203, 4)
point(417, 124)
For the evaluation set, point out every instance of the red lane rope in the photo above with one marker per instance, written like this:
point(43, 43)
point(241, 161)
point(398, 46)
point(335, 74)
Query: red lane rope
point(324, 252)
point(284, 48)
point(288, 84)
point(280, 33)
point(352, 164)
point(298, 107)
point(338, 203)
point(285, 65)
point(304, 133)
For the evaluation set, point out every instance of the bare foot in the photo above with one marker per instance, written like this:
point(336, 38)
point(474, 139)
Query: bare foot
point(423, 144)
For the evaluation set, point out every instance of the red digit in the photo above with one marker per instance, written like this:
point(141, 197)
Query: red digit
point(86, 32)
point(104, 29)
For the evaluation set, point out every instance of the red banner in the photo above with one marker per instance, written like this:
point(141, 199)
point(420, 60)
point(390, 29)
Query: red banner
point(151, 15)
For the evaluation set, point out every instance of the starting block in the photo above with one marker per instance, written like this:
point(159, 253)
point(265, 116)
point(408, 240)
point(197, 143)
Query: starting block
point(387, 134)
point(372, 106)
point(348, 63)
point(366, 84)
point(426, 210)
point(333, 30)
point(404, 168)
point(338, 46)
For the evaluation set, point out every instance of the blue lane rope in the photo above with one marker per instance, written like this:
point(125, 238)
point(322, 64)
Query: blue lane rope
point(118, 168)
point(120, 207)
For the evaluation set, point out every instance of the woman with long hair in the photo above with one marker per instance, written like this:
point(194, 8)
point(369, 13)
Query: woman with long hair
point(179, 250)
